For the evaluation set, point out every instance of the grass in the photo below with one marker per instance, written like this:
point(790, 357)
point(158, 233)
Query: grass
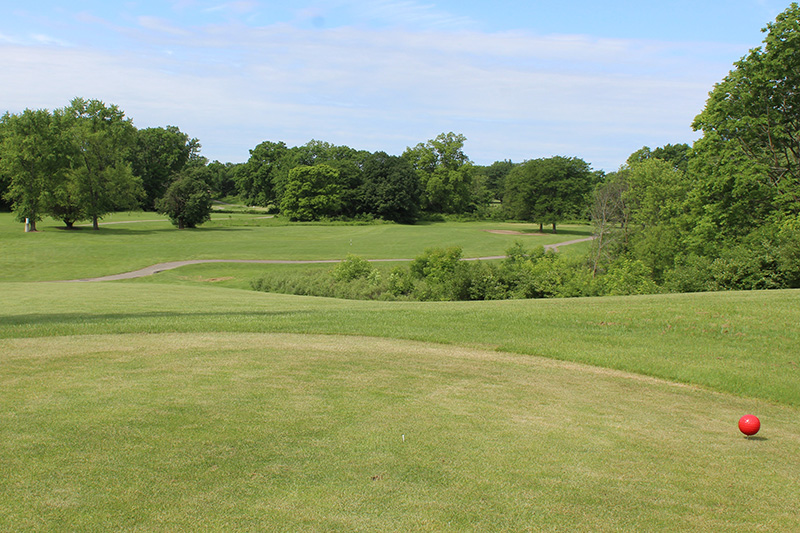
point(125, 244)
point(744, 343)
point(180, 402)
point(285, 432)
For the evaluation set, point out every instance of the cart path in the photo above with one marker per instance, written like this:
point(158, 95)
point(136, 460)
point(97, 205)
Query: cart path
point(161, 267)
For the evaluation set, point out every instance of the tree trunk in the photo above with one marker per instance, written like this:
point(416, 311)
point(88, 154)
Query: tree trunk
point(95, 222)
point(554, 228)
point(541, 227)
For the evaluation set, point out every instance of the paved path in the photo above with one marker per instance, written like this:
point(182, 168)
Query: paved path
point(160, 267)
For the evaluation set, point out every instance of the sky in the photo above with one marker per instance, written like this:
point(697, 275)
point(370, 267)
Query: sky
point(519, 79)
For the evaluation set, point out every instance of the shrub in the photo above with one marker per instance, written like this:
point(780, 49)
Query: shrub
point(628, 276)
point(353, 267)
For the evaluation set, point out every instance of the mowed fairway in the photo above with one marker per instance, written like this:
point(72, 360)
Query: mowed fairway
point(178, 404)
point(306, 432)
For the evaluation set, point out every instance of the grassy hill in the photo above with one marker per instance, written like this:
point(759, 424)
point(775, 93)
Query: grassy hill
point(174, 404)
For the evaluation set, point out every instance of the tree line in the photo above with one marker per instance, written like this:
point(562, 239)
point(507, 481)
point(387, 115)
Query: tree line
point(87, 159)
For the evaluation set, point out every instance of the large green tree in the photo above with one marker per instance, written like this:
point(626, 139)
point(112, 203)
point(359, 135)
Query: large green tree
point(347, 161)
point(446, 174)
point(752, 122)
point(33, 157)
point(260, 181)
point(101, 138)
point(549, 190)
point(157, 155)
point(390, 188)
point(312, 192)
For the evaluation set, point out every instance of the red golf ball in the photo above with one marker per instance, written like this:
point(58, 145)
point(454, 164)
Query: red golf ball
point(749, 424)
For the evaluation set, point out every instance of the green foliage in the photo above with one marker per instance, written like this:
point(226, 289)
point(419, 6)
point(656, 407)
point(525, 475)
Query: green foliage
point(390, 189)
point(101, 138)
point(496, 176)
point(445, 173)
point(220, 178)
point(677, 155)
point(312, 193)
point(33, 157)
point(441, 274)
point(550, 190)
point(261, 180)
point(753, 113)
point(156, 156)
point(353, 267)
point(187, 201)
point(628, 276)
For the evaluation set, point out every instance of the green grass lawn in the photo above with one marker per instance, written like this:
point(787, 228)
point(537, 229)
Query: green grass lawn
point(284, 432)
point(182, 402)
point(124, 243)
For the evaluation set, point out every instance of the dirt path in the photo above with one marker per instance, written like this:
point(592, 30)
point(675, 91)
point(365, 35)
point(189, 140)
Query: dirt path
point(161, 267)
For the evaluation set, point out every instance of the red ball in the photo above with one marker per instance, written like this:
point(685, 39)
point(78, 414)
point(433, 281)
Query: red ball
point(749, 424)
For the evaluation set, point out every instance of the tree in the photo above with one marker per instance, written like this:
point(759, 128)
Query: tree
point(157, 155)
point(348, 162)
point(5, 179)
point(260, 181)
point(64, 201)
point(495, 177)
point(101, 136)
point(187, 201)
point(655, 197)
point(312, 193)
point(445, 173)
point(32, 155)
point(219, 176)
point(390, 188)
point(755, 112)
point(610, 215)
point(549, 190)
point(676, 154)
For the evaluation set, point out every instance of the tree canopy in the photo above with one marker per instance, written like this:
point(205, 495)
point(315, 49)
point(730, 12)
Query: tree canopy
point(549, 190)
point(751, 118)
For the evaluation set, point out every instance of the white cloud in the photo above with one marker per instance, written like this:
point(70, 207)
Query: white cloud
point(240, 7)
point(162, 26)
point(514, 95)
point(41, 38)
point(8, 39)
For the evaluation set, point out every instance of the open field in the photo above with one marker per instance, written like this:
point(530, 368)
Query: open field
point(179, 402)
point(125, 244)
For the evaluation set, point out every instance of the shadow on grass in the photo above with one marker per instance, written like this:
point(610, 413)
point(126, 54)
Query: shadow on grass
point(83, 319)
point(566, 232)
point(118, 230)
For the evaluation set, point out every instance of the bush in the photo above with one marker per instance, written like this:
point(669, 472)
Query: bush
point(628, 276)
point(353, 267)
point(187, 202)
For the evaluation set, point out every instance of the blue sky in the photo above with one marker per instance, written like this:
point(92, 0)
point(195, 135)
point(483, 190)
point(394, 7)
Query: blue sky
point(520, 80)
